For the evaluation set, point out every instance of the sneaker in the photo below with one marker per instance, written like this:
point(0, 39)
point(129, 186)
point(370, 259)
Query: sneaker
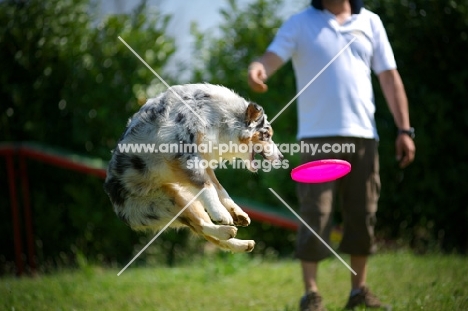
point(364, 298)
point(312, 302)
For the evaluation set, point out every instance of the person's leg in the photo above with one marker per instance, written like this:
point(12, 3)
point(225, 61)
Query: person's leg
point(316, 206)
point(359, 265)
point(360, 293)
point(309, 275)
point(312, 300)
point(360, 192)
point(309, 249)
point(316, 202)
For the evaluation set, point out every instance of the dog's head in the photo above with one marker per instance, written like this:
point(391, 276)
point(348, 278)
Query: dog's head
point(258, 135)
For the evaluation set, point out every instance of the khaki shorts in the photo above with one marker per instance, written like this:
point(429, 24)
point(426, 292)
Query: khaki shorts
point(358, 194)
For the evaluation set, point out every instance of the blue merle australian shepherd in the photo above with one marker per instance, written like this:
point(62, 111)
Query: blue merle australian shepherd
point(148, 190)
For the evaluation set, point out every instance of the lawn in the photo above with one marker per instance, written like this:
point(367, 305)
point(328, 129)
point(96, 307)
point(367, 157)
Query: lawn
point(236, 282)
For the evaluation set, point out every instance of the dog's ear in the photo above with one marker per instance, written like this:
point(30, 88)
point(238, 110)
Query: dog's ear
point(253, 114)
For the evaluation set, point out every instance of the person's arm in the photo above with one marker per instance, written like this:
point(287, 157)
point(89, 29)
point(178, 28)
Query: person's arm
point(395, 95)
point(261, 69)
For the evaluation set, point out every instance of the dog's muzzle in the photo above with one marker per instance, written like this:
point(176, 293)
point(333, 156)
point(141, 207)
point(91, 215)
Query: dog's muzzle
point(272, 155)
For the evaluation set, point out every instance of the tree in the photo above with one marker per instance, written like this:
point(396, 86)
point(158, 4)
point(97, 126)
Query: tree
point(68, 81)
point(427, 202)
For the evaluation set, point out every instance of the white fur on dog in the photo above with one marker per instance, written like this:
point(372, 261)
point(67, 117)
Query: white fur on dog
point(148, 189)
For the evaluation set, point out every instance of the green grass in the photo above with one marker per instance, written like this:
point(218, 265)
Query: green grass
point(235, 282)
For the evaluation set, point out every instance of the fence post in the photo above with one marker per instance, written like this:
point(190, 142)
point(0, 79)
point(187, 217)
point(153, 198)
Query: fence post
point(15, 214)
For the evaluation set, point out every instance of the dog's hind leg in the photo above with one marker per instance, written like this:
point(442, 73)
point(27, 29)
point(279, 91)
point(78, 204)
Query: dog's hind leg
point(195, 216)
point(198, 220)
point(194, 180)
point(240, 217)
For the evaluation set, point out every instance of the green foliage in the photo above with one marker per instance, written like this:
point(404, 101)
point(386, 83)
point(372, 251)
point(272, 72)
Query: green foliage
point(427, 201)
point(65, 74)
point(67, 80)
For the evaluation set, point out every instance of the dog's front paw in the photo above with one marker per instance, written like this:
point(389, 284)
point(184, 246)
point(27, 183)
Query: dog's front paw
point(240, 246)
point(223, 218)
point(242, 220)
point(226, 232)
point(250, 245)
point(240, 217)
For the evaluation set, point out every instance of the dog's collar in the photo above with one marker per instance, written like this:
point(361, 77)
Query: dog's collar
point(356, 5)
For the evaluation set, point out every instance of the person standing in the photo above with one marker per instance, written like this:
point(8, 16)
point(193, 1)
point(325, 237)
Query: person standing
point(340, 43)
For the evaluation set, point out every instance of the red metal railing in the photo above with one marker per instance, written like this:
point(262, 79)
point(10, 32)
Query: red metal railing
point(20, 152)
point(67, 160)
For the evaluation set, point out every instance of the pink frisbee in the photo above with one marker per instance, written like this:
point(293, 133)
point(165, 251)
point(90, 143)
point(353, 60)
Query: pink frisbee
point(320, 171)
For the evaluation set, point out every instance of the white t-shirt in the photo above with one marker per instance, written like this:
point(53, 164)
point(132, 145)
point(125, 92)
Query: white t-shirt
point(340, 101)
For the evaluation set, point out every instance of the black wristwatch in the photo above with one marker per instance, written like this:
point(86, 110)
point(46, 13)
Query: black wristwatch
point(409, 132)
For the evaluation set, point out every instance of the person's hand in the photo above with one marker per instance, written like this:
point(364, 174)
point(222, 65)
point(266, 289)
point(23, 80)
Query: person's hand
point(405, 150)
point(257, 76)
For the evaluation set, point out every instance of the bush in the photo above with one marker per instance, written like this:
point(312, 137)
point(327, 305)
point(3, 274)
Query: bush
point(426, 202)
point(68, 81)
